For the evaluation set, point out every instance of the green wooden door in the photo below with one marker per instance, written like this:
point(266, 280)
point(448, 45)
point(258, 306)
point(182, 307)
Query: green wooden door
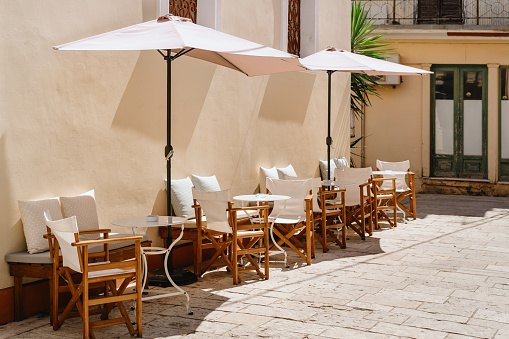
point(458, 121)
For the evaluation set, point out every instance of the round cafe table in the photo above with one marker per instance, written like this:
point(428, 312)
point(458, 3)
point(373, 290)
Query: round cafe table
point(141, 222)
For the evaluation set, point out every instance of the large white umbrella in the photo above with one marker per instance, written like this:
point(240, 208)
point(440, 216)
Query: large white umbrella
point(180, 36)
point(334, 60)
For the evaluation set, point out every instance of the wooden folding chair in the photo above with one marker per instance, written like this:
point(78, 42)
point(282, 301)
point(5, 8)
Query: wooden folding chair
point(230, 240)
point(103, 275)
point(329, 214)
point(293, 219)
point(384, 200)
point(357, 186)
point(403, 189)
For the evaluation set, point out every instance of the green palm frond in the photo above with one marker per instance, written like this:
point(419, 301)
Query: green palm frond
point(363, 42)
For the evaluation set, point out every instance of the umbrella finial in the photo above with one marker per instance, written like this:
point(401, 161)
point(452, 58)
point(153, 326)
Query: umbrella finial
point(171, 17)
point(164, 18)
point(331, 49)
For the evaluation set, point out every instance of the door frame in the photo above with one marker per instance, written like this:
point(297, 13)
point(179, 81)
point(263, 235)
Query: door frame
point(459, 159)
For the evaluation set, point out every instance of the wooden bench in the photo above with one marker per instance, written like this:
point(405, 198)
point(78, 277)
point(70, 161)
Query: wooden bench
point(40, 265)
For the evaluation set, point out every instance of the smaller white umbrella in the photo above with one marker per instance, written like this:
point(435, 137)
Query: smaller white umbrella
point(334, 60)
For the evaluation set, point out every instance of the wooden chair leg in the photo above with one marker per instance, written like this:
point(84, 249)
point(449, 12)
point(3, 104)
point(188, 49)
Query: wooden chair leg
point(18, 298)
point(54, 283)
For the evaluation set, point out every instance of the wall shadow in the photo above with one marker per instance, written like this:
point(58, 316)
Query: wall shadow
point(7, 205)
point(287, 97)
point(143, 105)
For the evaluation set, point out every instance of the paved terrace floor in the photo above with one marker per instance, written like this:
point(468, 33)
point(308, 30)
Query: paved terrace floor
point(444, 275)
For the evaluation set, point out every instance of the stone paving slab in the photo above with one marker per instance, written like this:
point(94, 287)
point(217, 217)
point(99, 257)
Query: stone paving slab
point(444, 275)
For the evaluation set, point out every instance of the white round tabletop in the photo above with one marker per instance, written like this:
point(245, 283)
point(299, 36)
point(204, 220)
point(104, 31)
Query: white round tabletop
point(261, 197)
point(142, 221)
point(388, 172)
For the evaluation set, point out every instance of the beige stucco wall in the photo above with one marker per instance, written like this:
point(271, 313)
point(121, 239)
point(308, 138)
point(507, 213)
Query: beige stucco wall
point(397, 124)
point(73, 121)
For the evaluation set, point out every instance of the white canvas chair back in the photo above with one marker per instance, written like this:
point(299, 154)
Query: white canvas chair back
point(297, 190)
point(402, 166)
point(214, 205)
point(317, 183)
point(64, 230)
point(349, 179)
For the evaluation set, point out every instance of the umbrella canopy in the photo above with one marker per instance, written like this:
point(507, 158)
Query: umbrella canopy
point(181, 36)
point(334, 60)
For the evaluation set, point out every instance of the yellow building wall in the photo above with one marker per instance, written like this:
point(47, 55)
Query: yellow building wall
point(397, 124)
point(74, 121)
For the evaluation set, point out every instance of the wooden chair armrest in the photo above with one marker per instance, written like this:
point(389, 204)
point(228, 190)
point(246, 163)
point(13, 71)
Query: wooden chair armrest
point(365, 184)
point(309, 197)
point(331, 191)
point(382, 179)
point(250, 208)
point(97, 231)
point(107, 241)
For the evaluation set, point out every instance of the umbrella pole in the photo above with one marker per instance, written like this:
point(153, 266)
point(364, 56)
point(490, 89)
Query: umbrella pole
point(168, 151)
point(328, 141)
point(179, 277)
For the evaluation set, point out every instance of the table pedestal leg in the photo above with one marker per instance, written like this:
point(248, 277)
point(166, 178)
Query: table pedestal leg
point(179, 277)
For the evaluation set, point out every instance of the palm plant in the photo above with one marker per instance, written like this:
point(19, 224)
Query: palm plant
point(374, 46)
point(364, 42)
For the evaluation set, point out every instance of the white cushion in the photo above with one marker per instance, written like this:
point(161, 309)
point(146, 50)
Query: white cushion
point(84, 208)
point(264, 174)
point(182, 197)
point(208, 184)
point(341, 163)
point(34, 224)
point(323, 168)
point(286, 171)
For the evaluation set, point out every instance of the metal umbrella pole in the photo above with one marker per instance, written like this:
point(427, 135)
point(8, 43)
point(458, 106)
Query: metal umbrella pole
point(328, 141)
point(179, 276)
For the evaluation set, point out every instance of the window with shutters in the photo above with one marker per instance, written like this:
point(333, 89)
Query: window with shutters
point(440, 12)
point(184, 8)
point(294, 27)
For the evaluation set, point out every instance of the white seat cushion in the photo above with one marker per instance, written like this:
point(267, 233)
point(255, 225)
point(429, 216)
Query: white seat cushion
point(208, 184)
point(264, 174)
point(286, 171)
point(45, 258)
point(323, 168)
point(34, 224)
point(182, 197)
point(84, 208)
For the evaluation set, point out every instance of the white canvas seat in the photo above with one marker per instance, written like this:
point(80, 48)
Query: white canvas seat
point(403, 189)
point(230, 240)
point(292, 219)
point(64, 235)
point(356, 183)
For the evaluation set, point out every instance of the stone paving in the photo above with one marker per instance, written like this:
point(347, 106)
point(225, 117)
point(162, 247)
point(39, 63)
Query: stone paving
point(444, 275)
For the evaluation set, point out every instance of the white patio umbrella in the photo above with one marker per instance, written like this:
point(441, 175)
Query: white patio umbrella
point(180, 36)
point(334, 60)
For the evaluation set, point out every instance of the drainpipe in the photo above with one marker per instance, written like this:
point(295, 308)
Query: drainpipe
point(363, 134)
